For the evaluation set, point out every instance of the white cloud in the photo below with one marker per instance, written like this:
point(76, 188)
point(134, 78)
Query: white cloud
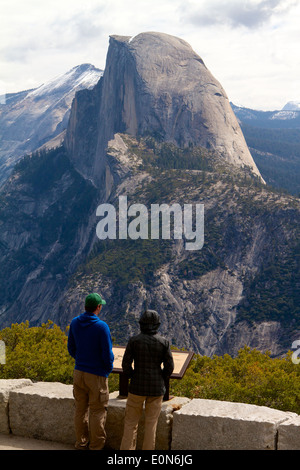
point(247, 13)
point(250, 46)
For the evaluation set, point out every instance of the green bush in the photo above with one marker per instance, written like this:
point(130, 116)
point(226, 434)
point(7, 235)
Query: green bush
point(37, 353)
point(250, 377)
point(40, 354)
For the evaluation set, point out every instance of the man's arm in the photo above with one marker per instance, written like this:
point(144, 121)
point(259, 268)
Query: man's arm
point(71, 344)
point(128, 360)
point(168, 362)
point(106, 348)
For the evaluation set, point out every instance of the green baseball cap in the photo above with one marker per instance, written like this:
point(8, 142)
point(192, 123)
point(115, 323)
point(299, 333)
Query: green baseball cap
point(93, 300)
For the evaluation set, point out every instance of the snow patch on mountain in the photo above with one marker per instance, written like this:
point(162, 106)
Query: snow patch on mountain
point(285, 115)
point(29, 119)
point(83, 76)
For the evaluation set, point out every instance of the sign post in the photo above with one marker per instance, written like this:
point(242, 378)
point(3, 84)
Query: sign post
point(181, 359)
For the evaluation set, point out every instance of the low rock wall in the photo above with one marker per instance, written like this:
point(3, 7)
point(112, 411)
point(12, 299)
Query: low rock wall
point(45, 410)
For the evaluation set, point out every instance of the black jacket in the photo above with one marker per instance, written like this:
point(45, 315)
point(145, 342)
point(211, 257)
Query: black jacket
point(148, 351)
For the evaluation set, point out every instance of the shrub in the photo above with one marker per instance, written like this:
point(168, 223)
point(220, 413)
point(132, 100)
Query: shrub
point(251, 377)
point(37, 353)
point(40, 353)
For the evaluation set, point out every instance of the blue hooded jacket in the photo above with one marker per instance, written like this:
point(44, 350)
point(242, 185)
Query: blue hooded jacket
point(90, 344)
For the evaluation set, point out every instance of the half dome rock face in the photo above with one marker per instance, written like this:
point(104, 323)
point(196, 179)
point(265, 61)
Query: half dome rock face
point(155, 83)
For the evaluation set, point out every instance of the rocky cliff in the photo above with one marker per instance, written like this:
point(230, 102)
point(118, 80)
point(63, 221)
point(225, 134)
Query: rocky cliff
point(154, 83)
point(215, 300)
point(241, 288)
point(152, 131)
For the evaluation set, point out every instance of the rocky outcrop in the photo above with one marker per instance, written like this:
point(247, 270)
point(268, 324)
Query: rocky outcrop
point(198, 295)
point(155, 83)
point(41, 250)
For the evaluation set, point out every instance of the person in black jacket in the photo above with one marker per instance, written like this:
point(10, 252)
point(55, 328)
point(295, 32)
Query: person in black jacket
point(148, 351)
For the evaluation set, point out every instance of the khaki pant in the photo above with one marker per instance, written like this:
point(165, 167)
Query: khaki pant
point(133, 412)
point(91, 401)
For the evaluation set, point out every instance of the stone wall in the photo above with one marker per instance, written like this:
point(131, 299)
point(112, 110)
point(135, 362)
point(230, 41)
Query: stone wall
point(44, 410)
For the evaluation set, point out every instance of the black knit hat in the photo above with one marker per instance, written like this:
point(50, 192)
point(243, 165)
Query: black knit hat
point(149, 317)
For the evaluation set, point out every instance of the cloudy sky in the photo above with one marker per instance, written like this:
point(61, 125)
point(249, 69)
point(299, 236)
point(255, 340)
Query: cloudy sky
point(250, 46)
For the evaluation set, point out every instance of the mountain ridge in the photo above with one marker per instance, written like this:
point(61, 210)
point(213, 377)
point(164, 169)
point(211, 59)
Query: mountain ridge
point(274, 140)
point(232, 291)
point(30, 119)
point(202, 296)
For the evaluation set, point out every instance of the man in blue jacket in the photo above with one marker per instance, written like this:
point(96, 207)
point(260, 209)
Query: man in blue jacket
point(90, 344)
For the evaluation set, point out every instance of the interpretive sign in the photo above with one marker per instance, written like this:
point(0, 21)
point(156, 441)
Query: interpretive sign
point(181, 359)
